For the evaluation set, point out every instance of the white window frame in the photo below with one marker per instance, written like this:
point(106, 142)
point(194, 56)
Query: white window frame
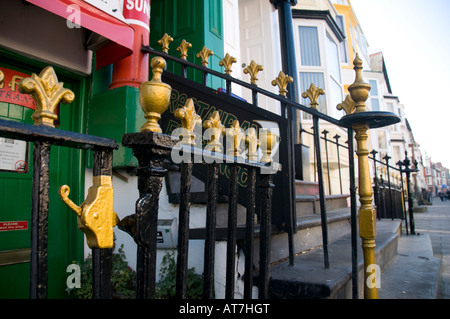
point(322, 30)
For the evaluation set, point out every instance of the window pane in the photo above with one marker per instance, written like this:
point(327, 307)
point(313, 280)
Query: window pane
point(375, 104)
point(306, 78)
point(335, 98)
point(309, 46)
point(333, 58)
point(374, 89)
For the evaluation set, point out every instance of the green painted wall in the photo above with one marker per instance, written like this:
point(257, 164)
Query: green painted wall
point(65, 241)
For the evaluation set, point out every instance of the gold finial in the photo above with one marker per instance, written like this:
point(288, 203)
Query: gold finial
point(267, 142)
point(164, 42)
point(313, 94)
point(183, 49)
point(204, 54)
point(359, 90)
point(282, 81)
point(47, 93)
point(348, 105)
point(234, 138)
point(154, 96)
point(252, 142)
point(253, 70)
point(216, 129)
point(189, 119)
point(95, 215)
point(227, 62)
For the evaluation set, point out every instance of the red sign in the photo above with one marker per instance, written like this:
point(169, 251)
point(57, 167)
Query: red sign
point(16, 225)
point(9, 92)
point(137, 12)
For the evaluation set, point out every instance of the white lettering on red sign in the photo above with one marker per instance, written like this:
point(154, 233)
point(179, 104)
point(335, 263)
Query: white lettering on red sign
point(13, 225)
point(137, 12)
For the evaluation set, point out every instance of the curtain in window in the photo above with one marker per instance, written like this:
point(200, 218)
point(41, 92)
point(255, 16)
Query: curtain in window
point(306, 78)
point(309, 46)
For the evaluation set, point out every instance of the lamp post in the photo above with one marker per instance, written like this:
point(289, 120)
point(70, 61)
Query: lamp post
point(361, 120)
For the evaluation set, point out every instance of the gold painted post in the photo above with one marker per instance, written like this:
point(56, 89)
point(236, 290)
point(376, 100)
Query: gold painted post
point(361, 120)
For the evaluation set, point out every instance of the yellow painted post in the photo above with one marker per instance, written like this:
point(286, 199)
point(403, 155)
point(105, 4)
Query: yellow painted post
point(361, 120)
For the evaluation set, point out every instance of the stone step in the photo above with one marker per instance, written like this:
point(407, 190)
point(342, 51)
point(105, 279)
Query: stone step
point(309, 279)
point(308, 235)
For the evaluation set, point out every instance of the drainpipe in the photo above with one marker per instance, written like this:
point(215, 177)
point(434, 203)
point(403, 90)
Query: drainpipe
point(134, 69)
point(288, 59)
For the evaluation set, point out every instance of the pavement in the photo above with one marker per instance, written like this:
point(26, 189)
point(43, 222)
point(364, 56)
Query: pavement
point(421, 269)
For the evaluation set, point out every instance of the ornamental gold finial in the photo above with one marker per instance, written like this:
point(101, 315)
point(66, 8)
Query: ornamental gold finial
point(216, 129)
point(183, 49)
point(282, 81)
point(204, 54)
point(234, 138)
point(252, 142)
point(348, 105)
point(253, 70)
point(359, 90)
point(267, 141)
point(154, 96)
point(189, 119)
point(95, 215)
point(47, 93)
point(227, 62)
point(313, 94)
point(164, 42)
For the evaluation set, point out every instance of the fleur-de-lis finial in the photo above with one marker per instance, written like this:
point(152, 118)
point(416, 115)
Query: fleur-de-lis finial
point(204, 55)
point(47, 93)
point(253, 70)
point(282, 81)
point(348, 105)
point(189, 119)
point(164, 42)
point(227, 62)
point(313, 94)
point(183, 49)
point(216, 129)
point(234, 138)
point(252, 142)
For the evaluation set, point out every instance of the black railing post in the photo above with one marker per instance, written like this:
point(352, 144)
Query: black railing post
point(337, 137)
point(353, 213)
point(150, 149)
point(323, 210)
point(210, 236)
point(375, 182)
point(408, 171)
point(400, 164)
point(183, 229)
point(266, 188)
point(102, 257)
point(250, 226)
point(39, 220)
point(325, 133)
point(232, 227)
point(387, 158)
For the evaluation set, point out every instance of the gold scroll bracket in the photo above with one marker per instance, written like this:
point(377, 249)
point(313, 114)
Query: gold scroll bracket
point(95, 215)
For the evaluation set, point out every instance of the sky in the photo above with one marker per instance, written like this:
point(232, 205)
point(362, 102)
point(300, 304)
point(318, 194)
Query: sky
point(414, 36)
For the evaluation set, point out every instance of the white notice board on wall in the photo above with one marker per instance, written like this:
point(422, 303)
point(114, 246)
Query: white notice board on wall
point(12, 154)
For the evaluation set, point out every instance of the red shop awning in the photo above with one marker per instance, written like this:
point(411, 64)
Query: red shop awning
point(92, 18)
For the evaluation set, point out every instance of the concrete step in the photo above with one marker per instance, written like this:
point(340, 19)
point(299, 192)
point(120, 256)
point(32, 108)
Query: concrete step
point(309, 234)
point(307, 199)
point(309, 279)
point(413, 273)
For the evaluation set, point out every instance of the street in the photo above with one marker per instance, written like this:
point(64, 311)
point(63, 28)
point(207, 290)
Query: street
point(436, 223)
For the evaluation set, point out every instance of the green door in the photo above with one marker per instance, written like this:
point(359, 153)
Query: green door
point(65, 241)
